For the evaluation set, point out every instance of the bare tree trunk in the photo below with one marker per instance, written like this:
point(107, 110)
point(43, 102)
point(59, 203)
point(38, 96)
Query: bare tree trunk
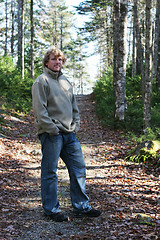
point(120, 93)
point(115, 41)
point(6, 32)
point(158, 65)
point(22, 37)
point(19, 34)
point(157, 44)
point(139, 48)
point(32, 39)
point(134, 41)
point(13, 22)
point(61, 47)
point(55, 40)
point(148, 66)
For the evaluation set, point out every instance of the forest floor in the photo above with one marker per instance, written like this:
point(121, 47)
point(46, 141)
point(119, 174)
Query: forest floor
point(125, 192)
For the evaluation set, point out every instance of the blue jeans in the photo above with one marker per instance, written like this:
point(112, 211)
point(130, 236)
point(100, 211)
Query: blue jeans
point(68, 148)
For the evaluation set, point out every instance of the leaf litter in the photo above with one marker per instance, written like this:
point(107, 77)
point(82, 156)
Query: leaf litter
point(126, 192)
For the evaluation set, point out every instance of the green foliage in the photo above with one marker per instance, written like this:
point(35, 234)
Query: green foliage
point(155, 107)
point(105, 102)
point(104, 97)
point(145, 154)
point(142, 157)
point(152, 134)
point(134, 113)
point(13, 88)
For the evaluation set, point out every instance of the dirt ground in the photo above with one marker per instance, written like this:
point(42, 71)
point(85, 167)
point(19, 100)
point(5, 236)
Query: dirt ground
point(127, 193)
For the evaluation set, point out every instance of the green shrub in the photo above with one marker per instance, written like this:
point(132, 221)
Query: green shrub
point(155, 107)
point(104, 97)
point(105, 102)
point(13, 88)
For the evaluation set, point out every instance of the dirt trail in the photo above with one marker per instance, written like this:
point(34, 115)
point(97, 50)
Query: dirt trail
point(120, 189)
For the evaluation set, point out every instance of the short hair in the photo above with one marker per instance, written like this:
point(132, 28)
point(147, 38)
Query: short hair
point(56, 52)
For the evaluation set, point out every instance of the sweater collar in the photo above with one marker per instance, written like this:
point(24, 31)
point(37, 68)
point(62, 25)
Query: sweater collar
point(54, 75)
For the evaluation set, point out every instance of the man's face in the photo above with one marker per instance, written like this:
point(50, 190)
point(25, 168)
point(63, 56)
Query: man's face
point(54, 63)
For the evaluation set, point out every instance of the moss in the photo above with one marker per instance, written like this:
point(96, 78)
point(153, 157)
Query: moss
point(145, 152)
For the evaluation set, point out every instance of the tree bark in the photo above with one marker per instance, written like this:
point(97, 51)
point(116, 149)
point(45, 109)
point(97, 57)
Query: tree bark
point(6, 32)
point(120, 93)
point(13, 22)
point(134, 41)
point(157, 44)
point(55, 40)
point(115, 41)
point(158, 65)
point(148, 66)
point(21, 36)
point(61, 44)
point(32, 39)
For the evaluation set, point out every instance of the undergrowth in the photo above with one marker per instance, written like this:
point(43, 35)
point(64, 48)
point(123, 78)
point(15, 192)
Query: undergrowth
point(105, 104)
point(133, 124)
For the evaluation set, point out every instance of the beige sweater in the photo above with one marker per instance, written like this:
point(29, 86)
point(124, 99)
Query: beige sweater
point(54, 104)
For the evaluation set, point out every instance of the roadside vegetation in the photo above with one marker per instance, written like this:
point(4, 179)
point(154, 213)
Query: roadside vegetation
point(15, 91)
point(133, 124)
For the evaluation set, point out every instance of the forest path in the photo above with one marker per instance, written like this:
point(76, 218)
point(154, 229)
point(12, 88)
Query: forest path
point(120, 189)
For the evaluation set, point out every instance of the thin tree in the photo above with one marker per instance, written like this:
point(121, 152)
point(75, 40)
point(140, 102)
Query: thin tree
point(157, 44)
point(21, 36)
point(139, 53)
point(32, 39)
point(158, 65)
point(61, 44)
point(115, 40)
point(148, 66)
point(134, 41)
point(6, 32)
point(13, 27)
point(19, 33)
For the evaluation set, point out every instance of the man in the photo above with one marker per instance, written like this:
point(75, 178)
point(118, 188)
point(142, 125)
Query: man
point(57, 120)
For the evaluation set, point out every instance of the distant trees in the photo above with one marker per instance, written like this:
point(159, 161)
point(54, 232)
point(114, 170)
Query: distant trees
point(29, 27)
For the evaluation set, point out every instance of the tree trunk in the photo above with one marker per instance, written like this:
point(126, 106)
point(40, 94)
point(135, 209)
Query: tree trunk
point(115, 41)
point(134, 41)
point(21, 36)
point(6, 32)
point(61, 44)
point(158, 65)
point(120, 93)
point(55, 40)
point(157, 45)
point(13, 22)
point(32, 39)
point(148, 66)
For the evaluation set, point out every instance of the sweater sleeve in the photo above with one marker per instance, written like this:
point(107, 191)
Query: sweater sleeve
point(76, 118)
point(39, 102)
